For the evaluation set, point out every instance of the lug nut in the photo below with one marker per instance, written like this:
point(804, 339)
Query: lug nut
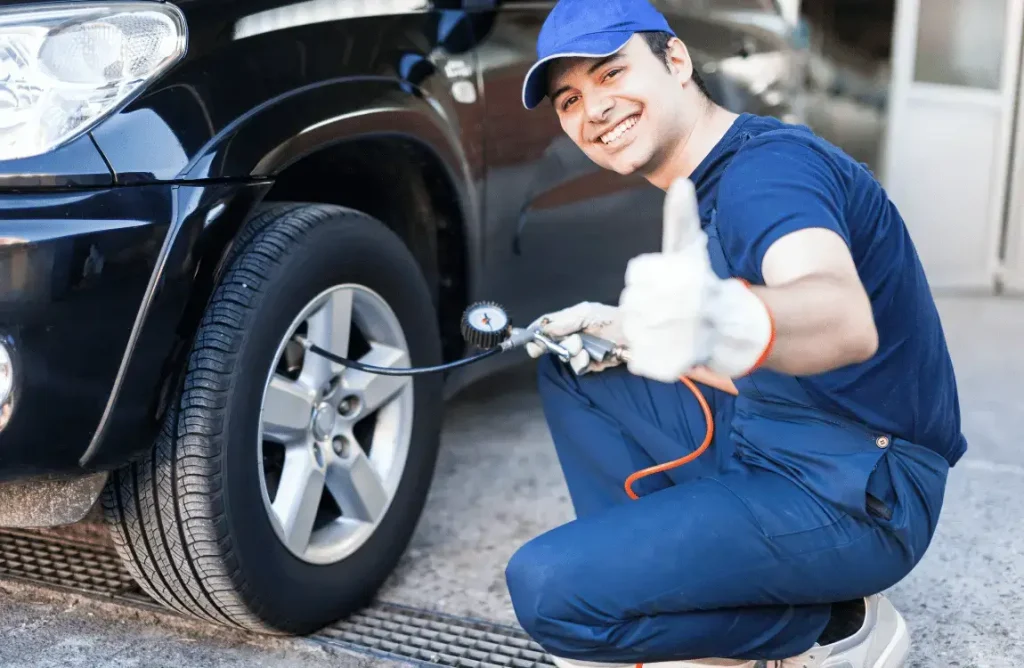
point(340, 446)
point(349, 406)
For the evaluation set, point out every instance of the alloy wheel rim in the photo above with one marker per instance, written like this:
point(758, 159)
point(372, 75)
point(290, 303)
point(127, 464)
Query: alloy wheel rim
point(334, 441)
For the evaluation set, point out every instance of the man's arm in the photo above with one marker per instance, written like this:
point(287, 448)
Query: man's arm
point(784, 230)
point(822, 314)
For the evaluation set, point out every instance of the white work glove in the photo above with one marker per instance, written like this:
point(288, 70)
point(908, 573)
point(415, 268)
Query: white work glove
point(676, 314)
point(564, 327)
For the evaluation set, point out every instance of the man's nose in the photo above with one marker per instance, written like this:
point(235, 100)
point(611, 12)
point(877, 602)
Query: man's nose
point(598, 106)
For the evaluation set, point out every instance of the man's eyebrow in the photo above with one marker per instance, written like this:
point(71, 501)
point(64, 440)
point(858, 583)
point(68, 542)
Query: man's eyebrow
point(600, 63)
point(604, 61)
point(554, 96)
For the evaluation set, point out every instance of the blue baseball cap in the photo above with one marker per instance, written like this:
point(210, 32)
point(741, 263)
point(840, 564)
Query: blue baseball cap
point(589, 29)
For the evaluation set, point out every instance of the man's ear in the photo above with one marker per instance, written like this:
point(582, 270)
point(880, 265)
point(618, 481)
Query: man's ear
point(678, 59)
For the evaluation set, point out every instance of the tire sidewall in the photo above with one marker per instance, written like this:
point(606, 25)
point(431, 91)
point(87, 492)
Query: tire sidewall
point(343, 248)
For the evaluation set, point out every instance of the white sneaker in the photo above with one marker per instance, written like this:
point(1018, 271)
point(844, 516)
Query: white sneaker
point(882, 641)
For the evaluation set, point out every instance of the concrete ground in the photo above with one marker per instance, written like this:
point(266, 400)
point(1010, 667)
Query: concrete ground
point(498, 486)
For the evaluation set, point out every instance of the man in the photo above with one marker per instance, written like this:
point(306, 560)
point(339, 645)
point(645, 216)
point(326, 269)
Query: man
point(793, 280)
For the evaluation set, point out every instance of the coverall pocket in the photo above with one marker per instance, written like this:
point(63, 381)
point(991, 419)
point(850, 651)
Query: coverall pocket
point(877, 507)
point(906, 492)
point(793, 519)
point(880, 495)
point(834, 462)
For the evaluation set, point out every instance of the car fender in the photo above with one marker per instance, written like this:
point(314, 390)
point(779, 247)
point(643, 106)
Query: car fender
point(281, 131)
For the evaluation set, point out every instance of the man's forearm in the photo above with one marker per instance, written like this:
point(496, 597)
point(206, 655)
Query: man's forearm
point(821, 323)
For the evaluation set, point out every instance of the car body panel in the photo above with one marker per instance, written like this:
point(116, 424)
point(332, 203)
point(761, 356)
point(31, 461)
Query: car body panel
point(73, 271)
point(202, 221)
point(77, 164)
point(232, 101)
point(93, 306)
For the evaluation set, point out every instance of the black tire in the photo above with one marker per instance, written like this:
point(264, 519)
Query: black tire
point(189, 521)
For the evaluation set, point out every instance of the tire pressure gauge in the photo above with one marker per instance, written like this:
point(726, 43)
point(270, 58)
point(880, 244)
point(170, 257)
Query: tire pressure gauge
point(485, 325)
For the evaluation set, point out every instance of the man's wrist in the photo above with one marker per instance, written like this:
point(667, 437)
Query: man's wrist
point(743, 330)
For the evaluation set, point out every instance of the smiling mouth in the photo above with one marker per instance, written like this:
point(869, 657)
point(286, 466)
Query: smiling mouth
point(615, 135)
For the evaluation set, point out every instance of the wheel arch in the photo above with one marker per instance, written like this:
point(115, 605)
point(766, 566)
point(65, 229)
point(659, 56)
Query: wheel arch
point(279, 148)
point(401, 181)
point(401, 157)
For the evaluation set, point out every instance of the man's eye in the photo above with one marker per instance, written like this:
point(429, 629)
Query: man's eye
point(612, 73)
point(567, 102)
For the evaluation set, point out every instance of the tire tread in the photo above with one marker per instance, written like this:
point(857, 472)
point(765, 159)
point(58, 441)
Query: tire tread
point(166, 516)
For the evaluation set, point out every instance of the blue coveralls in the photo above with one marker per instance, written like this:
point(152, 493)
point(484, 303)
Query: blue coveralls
point(815, 490)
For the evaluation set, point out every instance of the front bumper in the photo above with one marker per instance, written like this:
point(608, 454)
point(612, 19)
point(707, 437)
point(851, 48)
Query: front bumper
point(94, 287)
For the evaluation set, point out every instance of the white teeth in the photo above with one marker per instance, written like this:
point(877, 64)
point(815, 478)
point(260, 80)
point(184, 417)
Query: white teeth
point(622, 128)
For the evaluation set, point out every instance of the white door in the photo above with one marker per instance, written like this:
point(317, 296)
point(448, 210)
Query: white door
point(948, 147)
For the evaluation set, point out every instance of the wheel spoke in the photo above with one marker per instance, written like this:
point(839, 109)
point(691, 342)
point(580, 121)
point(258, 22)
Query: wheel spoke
point(298, 496)
point(287, 410)
point(357, 487)
point(376, 390)
point(330, 327)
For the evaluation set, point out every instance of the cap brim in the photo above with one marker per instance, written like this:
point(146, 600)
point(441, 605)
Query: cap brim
point(598, 45)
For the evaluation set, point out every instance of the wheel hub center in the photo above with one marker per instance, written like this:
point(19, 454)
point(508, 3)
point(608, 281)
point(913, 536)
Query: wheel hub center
point(323, 421)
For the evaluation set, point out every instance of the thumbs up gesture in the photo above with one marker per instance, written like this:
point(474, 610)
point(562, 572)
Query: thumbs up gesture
point(681, 226)
point(678, 315)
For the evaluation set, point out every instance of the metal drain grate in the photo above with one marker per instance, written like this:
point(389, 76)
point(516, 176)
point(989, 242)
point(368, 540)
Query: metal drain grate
point(62, 563)
point(437, 639)
point(383, 629)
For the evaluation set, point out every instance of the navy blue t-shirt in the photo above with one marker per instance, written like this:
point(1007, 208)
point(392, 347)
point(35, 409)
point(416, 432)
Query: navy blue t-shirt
point(765, 179)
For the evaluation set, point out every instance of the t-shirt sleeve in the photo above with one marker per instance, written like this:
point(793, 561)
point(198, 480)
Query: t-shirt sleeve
point(774, 186)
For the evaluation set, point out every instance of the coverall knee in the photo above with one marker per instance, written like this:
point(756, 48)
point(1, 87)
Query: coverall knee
point(738, 554)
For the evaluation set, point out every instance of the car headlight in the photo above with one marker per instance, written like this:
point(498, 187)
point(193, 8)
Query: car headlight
point(65, 67)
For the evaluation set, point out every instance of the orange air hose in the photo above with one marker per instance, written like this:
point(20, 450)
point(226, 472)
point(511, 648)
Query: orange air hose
point(675, 463)
point(712, 380)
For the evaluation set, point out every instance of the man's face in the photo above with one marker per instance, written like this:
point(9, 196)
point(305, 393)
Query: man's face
point(624, 111)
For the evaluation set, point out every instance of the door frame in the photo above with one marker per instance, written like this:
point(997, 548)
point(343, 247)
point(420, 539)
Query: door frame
point(903, 88)
point(1012, 260)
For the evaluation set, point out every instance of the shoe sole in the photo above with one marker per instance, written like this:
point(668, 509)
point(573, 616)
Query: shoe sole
point(895, 653)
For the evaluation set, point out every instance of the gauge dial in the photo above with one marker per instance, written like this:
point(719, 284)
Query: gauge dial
point(485, 324)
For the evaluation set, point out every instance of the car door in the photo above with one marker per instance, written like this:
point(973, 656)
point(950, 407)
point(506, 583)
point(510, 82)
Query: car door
point(557, 228)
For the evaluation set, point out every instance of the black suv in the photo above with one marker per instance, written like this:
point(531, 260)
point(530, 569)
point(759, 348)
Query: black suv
point(186, 187)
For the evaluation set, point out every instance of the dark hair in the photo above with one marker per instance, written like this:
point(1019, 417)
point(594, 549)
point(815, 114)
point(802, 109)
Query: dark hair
point(658, 43)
